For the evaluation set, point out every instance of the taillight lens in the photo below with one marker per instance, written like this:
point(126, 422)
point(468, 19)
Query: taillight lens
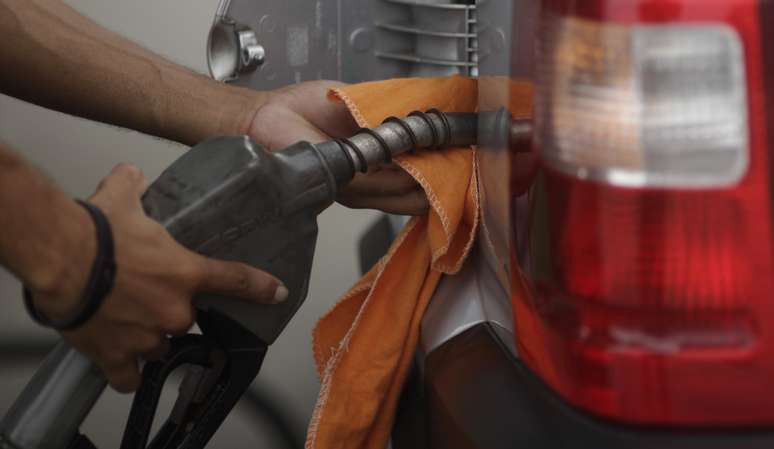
point(649, 295)
point(643, 105)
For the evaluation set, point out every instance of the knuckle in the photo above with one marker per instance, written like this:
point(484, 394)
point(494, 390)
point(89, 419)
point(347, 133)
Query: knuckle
point(156, 235)
point(191, 271)
point(179, 319)
point(241, 280)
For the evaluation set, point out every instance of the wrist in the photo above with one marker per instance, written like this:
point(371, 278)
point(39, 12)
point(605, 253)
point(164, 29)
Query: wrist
point(216, 109)
point(189, 107)
point(58, 280)
point(246, 113)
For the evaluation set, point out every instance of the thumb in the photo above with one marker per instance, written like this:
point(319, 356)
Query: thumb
point(239, 280)
point(127, 177)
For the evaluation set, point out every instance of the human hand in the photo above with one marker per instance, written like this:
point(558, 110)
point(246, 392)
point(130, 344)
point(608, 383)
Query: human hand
point(303, 112)
point(155, 280)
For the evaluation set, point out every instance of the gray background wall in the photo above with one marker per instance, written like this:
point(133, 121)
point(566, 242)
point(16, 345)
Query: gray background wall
point(77, 153)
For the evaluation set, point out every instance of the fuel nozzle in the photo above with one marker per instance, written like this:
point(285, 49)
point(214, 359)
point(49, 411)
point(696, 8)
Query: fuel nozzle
point(419, 130)
point(231, 199)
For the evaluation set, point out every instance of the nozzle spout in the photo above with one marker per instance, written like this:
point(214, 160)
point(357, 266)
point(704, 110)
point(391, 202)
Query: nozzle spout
point(419, 130)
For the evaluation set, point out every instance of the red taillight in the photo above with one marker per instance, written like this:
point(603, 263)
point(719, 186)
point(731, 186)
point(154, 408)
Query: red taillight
point(648, 296)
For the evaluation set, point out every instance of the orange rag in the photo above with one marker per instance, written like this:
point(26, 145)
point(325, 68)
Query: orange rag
point(365, 345)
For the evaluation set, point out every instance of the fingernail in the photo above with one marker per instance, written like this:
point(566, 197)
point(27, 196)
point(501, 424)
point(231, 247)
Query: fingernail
point(281, 294)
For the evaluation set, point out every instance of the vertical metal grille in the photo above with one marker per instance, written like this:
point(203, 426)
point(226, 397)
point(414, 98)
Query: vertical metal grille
point(443, 33)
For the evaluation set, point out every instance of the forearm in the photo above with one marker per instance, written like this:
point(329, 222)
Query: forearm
point(44, 233)
point(58, 59)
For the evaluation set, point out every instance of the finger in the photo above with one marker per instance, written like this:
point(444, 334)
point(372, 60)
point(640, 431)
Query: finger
point(127, 177)
point(294, 128)
point(381, 183)
point(311, 101)
point(144, 342)
point(338, 122)
point(123, 377)
point(157, 352)
point(334, 119)
point(177, 321)
point(414, 203)
point(100, 186)
point(302, 130)
point(240, 280)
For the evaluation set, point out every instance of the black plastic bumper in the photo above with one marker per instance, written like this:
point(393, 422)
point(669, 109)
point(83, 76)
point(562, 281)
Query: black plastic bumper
point(477, 395)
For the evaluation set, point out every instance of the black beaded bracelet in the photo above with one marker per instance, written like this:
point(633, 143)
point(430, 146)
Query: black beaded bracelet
point(100, 281)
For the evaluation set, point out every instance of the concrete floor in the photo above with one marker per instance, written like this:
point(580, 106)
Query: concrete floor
point(77, 153)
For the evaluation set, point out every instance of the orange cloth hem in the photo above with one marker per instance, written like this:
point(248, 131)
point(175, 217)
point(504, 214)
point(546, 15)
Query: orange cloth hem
point(364, 346)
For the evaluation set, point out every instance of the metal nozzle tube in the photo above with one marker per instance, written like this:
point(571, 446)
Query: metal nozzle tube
point(428, 130)
point(371, 147)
